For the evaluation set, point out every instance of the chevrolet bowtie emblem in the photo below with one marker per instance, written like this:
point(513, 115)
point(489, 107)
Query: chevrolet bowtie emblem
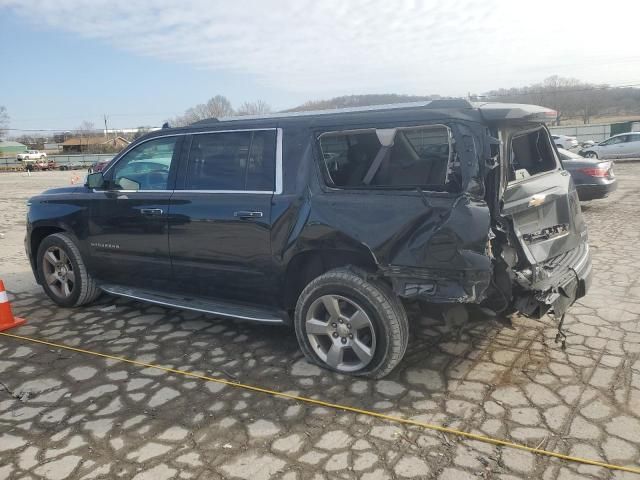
point(537, 200)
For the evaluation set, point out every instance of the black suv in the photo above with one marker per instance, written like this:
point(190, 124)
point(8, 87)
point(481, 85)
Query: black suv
point(331, 221)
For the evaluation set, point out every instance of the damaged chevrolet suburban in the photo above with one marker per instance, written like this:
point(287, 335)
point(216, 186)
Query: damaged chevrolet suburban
point(329, 221)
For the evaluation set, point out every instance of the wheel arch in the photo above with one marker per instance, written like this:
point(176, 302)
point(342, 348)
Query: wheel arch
point(307, 265)
point(37, 235)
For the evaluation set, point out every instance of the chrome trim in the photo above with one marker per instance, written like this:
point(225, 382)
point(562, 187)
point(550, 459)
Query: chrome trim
point(279, 179)
point(195, 309)
point(132, 191)
point(278, 183)
point(259, 192)
point(269, 129)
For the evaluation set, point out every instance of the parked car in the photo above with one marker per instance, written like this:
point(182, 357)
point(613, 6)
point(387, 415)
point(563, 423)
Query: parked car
point(44, 164)
point(564, 141)
point(249, 218)
point(31, 155)
point(623, 145)
point(99, 165)
point(593, 178)
point(71, 166)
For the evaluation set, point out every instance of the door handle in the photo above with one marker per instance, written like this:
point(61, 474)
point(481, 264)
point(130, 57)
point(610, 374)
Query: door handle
point(151, 211)
point(247, 214)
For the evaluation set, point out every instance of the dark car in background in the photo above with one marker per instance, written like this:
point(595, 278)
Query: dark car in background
point(99, 165)
point(593, 178)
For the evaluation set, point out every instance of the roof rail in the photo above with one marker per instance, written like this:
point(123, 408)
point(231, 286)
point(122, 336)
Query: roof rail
point(454, 103)
point(450, 103)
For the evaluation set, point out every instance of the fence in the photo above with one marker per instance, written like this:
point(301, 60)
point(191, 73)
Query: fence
point(595, 132)
point(66, 161)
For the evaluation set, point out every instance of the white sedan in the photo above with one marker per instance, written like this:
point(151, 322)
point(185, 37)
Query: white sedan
point(31, 155)
point(623, 145)
point(564, 141)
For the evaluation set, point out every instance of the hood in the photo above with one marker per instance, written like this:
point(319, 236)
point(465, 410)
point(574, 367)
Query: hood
point(64, 190)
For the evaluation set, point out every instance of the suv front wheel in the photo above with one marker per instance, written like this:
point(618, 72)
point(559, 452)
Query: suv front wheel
point(349, 324)
point(63, 272)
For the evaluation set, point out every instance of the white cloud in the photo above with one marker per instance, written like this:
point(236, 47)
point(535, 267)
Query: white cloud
point(352, 46)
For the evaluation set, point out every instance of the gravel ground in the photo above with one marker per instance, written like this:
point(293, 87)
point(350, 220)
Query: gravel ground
point(69, 415)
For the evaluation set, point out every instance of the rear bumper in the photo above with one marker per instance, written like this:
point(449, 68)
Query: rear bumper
point(564, 280)
point(595, 191)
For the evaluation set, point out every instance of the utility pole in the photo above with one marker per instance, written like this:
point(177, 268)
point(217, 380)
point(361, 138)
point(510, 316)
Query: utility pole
point(106, 129)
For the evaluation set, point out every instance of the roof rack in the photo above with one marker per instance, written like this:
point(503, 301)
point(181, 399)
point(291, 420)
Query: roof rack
point(456, 103)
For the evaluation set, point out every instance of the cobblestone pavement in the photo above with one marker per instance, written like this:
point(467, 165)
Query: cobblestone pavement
point(68, 415)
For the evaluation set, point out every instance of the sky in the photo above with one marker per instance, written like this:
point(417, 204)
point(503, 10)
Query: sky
point(140, 62)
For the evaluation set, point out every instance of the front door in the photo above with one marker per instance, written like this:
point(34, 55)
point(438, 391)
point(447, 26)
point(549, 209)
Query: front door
point(128, 231)
point(631, 146)
point(614, 147)
point(220, 217)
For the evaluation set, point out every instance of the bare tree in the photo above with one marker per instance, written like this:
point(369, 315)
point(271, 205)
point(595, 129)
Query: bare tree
point(569, 97)
point(216, 107)
point(254, 108)
point(85, 130)
point(4, 121)
point(591, 102)
point(559, 93)
point(142, 130)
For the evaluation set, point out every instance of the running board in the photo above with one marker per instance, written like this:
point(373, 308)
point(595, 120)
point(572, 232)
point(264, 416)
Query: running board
point(214, 307)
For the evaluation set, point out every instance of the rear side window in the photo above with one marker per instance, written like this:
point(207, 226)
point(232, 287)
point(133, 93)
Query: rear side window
point(238, 161)
point(390, 158)
point(531, 154)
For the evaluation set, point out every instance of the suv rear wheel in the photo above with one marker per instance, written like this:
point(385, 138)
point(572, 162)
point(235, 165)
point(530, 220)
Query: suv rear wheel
point(352, 325)
point(63, 272)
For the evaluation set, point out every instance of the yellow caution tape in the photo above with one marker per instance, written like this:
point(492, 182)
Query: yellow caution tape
point(336, 406)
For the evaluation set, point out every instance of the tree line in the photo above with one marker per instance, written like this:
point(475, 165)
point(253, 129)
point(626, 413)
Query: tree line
point(569, 97)
point(572, 98)
point(218, 107)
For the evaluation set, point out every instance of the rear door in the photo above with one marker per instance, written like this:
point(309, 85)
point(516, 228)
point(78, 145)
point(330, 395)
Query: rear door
point(540, 197)
point(220, 216)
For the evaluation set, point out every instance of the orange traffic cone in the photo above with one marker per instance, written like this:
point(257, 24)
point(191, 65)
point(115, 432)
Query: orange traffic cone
point(7, 320)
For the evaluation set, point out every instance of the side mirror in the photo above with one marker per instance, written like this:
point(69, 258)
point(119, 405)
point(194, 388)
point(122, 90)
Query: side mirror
point(95, 180)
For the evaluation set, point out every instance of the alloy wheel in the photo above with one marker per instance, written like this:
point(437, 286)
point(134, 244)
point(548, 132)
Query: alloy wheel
point(341, 333)
point(58, 272)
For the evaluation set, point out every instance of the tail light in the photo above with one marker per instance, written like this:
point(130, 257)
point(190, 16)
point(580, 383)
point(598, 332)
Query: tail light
point(600, 171)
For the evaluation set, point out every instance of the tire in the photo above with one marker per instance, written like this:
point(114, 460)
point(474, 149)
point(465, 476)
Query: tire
point(591, 155)
point(383, 330)
point(79, 291)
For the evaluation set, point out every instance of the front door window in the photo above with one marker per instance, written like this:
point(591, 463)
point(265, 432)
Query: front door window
point(146, 167)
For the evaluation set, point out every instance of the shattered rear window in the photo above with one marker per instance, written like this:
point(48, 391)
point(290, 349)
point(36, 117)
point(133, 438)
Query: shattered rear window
point(531, 154)
point(390, 158)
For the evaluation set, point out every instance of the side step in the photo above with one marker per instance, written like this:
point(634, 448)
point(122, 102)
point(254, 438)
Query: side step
point(214, 307)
